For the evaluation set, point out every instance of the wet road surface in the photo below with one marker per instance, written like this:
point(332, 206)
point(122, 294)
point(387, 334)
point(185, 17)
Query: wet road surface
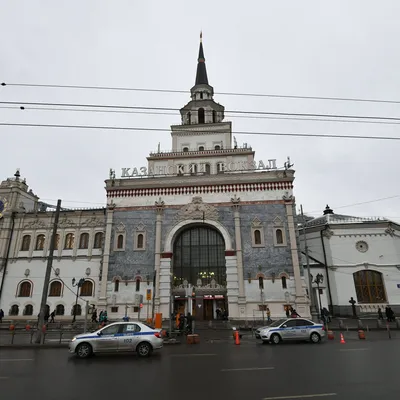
point(355, 370)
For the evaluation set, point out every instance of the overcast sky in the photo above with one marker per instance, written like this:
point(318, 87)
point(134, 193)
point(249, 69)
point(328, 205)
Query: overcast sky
point(311, 48)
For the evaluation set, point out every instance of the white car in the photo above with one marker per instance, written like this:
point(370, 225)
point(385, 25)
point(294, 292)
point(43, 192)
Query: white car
point(118, 337)
point(291, 329)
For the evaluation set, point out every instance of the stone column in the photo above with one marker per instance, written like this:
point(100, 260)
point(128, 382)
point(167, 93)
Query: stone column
point(165, 285)
point(157, 257)
point(302, 303)
point(238, 242)
point(106, 256)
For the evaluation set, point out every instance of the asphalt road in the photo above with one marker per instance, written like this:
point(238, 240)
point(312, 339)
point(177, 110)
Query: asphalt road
point(355, 370)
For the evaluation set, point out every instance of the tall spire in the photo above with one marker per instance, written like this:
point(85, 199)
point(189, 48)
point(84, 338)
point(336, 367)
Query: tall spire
point(201, 75)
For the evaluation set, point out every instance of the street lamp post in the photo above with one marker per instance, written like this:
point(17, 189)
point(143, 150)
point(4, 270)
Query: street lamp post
point(318, 280)
point(78, 285)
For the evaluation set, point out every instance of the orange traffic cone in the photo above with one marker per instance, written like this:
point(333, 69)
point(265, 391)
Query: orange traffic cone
point(342, 339)
point(237, 337)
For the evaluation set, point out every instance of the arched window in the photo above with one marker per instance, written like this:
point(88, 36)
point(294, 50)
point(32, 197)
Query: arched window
point(185, 149)
point(84, 241)
point(369, 286)
point(26, 243)
point(116, 285)
point(140, 241)
point(201, 115)
point(98, 240)
point(207, 169)
point(25, 289)
point(78, 309)
point(199, 254)
point(201, 95)
point(28, 310)
point(87, 288)
point(279, 236)
point(120, 242)
point(40, 242)
point(57, 241)
point(201, 148)
point(14, 310)
point(214, 116)
point(55, 289)
point(257, 236)
point(138, 284)
point(69, 241)
point(60, 309)
point(217, 147)
point(284, 284)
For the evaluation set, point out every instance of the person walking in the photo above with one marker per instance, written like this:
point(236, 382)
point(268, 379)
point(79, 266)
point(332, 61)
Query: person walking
point(94, 316)
point(380, 315)
point(52, 315)
point(268, 315)
point(1, 315)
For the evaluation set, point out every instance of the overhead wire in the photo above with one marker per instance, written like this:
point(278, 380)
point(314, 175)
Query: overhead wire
point(126, 128)
point(354, 99)
point(228, 115)
point(112, 106)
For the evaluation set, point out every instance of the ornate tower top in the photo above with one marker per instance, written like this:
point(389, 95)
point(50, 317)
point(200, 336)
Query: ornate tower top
point(202, 109)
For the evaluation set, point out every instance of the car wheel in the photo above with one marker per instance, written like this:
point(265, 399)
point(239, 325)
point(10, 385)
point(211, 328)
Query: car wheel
point(275, 338)
point(144, 349)
point(84, 350)
point(315, 338)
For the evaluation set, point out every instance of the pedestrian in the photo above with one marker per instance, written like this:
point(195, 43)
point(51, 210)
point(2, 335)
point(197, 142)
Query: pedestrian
point(268, 315)
point(326, 315)
point(288, 311)
point(46, 317)
point(218, 311)
point(1, 315)
point(293, 313)
point(387, 313)
point(189, 322)
point(52, 315)
point(380, 315)
point(353, 307)
point(391, 315)
point(94, 316)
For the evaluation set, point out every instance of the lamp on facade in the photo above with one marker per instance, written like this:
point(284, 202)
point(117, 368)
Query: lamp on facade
point(148, 279)
point(88, 271)
point(318, 280)
point(126, 280)
point(249, 277)
point(27, 272)
point(273, 275)
point(78, 285)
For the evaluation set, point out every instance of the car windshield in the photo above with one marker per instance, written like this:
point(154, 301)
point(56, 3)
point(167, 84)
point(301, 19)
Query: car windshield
point(277, 323)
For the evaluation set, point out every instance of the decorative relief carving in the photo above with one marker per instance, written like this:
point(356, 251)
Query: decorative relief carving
point(66, 223)
point(197, 210)
point(278, 221)
point(37, 224)
point(140, 227)
point(390, 231)
point(288, 197)
point(120, 227)
point(256, 223)
point(93, 221)
point(235, 202)
point(328, 233)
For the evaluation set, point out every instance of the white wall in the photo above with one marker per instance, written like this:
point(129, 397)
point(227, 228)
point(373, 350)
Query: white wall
point(68, 269)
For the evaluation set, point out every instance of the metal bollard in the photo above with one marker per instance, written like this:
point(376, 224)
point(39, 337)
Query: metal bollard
point(12, 336)
point(61, 335)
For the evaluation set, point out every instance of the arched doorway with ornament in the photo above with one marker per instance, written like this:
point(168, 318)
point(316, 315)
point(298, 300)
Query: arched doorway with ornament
point(199, 272)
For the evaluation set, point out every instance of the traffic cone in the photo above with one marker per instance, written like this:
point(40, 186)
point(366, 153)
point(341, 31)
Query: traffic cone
point(342, 339)
point(237, 337)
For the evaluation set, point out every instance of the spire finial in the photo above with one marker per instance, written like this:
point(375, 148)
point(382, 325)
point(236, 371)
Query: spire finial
point(201, 36)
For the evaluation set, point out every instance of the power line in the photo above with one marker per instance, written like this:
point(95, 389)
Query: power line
point(121, 128)
point(174, 114)
point(354, 99)
point(22, 104)
point(364, 202)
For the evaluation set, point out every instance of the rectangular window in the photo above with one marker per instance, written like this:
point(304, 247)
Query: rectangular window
point(321, 291)
point(262, 307)
point(135, 309)
point(114, 309)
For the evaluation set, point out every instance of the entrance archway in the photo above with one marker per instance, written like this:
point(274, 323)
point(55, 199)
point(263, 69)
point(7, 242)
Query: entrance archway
point(199, 272)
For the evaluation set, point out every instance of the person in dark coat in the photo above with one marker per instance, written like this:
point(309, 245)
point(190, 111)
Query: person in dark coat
point(52, 315)
point(380, 315)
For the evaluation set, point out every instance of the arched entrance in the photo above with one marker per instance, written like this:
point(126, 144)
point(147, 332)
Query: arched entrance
point(199, 272)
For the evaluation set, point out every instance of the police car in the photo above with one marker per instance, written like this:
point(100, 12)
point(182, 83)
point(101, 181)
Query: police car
point(291, 329)
point(118, 337)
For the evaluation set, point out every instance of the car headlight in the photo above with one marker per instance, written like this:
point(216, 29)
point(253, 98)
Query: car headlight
point(73, 339)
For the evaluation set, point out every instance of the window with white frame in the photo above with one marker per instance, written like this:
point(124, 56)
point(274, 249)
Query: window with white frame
point(257, 233)
point(120, 237)
point(279, 232)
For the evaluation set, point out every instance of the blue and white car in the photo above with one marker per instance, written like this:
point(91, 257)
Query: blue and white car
point(291, 329)
point(118, 337)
